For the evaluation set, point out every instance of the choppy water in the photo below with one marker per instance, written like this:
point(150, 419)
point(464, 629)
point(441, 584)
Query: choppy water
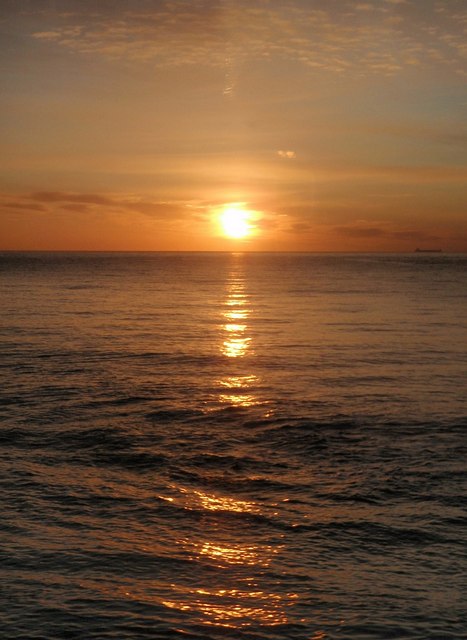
point(233, 446)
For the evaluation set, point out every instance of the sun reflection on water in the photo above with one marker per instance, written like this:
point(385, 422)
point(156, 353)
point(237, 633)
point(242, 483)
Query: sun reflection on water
point(195, 499)
point(243, 554)
point(237, 597)
point(239, 391)
point(236, 342)
point(235, 328)
point(224, 554)
point(239, 381)
point(238, 314)
point(237, 603)
point(238, 400)
point(234, 608)
point(235, 308)
point(235, 347)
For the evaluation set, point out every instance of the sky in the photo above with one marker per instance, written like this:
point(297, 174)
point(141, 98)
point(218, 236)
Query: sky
point(310, 125)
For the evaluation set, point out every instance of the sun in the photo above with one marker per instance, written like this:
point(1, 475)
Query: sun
point(235, 221)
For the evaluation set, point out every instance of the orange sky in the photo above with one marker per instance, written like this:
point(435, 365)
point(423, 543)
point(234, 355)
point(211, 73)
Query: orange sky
point(339, 124)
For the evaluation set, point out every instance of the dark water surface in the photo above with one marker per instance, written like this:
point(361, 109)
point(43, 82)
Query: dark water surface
point(233, 446)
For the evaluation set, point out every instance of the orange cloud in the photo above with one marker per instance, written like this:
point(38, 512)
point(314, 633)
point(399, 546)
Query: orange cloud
point(288, 155)
point(50, 201)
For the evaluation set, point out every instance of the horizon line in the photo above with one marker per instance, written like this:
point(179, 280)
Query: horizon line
point(219, 251)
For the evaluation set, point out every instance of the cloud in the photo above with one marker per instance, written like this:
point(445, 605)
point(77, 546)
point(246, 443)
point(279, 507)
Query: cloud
point(415, 235)
point(75, 208)
point(316, 34)
point(23, 206)
point(76, 203)
point(47, 35)
point(360, 232)
point(153, 209)
point(363, 230)
point(58, 196)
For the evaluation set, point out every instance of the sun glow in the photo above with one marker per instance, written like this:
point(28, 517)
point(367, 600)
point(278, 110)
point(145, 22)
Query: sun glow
point(235, 221)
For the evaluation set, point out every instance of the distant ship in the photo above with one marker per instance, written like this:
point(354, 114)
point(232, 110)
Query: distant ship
point(417, 250)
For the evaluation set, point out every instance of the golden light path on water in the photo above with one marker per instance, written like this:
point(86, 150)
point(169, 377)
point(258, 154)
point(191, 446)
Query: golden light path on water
point(236, 310)
point(238, 603)
point(237, 388)
point(241, 601)
point(256, 606)
point(241, 383)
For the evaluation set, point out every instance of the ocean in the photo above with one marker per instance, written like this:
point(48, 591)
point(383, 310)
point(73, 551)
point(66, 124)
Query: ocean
point(233, 446)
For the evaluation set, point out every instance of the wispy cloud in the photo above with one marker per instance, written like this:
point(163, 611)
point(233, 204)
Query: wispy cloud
point(364, 230)
point(58, 196)
point(76, 203)
point(355, 37)
point(21, 206)
point(360, 231)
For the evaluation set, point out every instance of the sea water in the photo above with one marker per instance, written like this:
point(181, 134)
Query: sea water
point(257, 446)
